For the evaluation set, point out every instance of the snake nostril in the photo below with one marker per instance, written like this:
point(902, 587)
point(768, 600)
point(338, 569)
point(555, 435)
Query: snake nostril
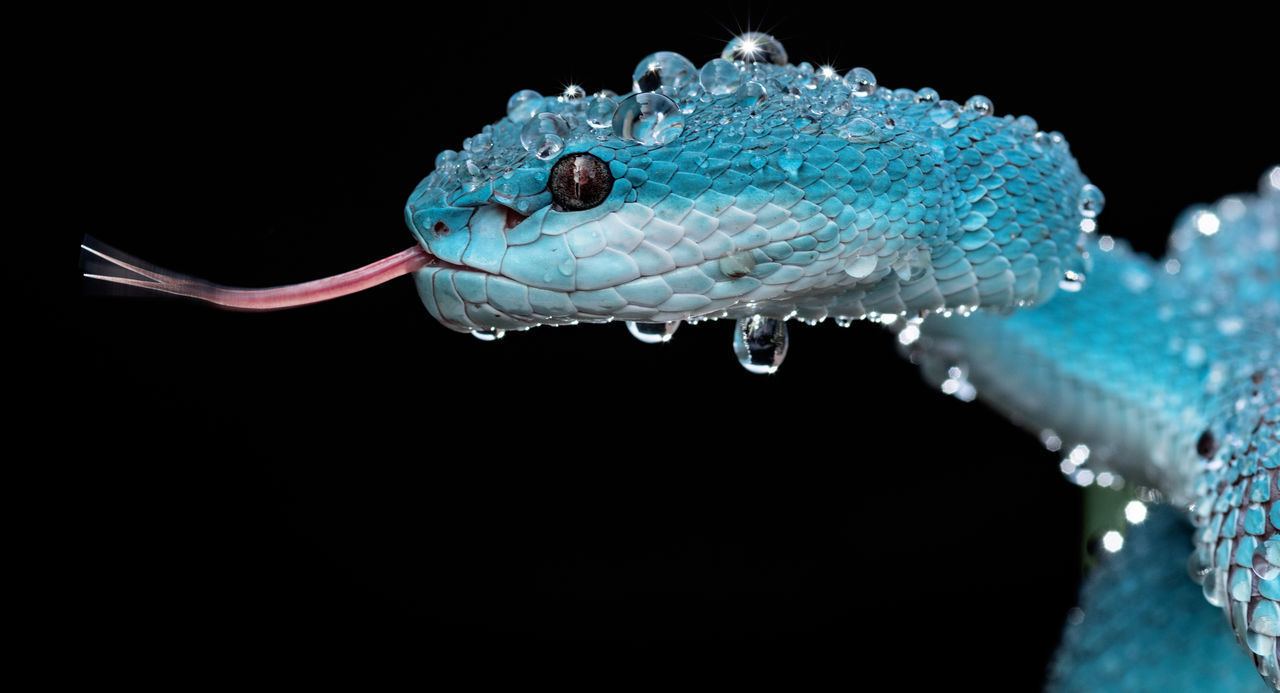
point(440, 228)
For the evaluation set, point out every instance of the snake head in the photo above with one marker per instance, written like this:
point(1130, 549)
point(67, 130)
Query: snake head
point(747, 187)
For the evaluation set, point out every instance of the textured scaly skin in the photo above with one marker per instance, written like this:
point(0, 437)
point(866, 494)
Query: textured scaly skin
point(817, 202)
point(758, 209)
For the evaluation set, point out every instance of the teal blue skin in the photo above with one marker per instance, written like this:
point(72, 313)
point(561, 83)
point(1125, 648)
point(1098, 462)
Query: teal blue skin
point(1167, 372)
point(879, 204)
point(816, 203)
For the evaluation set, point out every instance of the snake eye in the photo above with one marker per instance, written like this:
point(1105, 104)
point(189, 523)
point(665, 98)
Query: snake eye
point(579, 181)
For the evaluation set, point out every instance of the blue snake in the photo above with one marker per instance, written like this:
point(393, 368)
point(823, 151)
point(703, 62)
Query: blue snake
point(757, 191)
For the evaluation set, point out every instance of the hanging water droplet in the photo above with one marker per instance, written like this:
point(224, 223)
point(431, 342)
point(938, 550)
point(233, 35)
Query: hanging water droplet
point(844, 322)
point(755, 47)
point(523, 104)
point(663, 70)
point(491, 334)
point(1091, 201)
point(600, 112)
point(862, 81)
point(544, 135)
point(760, 343)
point(653, 332)
point(648, 118)
point(979, 104)
point(720, 77)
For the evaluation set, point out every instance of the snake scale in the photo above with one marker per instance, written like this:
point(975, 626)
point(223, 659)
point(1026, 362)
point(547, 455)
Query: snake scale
point(1064, 208)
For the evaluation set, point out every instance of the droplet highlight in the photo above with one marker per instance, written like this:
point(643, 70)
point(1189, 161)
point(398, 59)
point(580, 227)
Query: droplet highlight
point(755, 47)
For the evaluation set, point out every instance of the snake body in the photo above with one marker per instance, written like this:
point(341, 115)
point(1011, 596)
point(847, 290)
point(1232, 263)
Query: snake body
point(759, 191)
point(751, 189)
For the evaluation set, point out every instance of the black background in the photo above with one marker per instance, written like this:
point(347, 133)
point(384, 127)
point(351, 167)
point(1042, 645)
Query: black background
point(312, 486)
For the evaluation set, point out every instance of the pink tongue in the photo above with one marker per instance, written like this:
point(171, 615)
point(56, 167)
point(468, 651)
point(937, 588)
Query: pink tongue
point(274, 298)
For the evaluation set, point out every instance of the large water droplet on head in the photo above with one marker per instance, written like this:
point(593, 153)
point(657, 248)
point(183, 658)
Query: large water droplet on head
point(663, 70)
point(760, 343)
point(544, 135)
point(648, 118)
point(979, 103)
point(653, 332)
point(755, 47)
point(522, 105)
point(720, 77)
point(1091, 201)
point(861, 81)
point(600, 111)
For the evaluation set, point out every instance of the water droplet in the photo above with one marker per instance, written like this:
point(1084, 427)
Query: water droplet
point(844, 321)
point(750, 94)
point(1091, 201)
point(755, 47)
point(790, 160)
point(523, 104)
point(572, 95)
point(737, 265)
point(1027, 123)
point(979, 104)
point(720, 77)
point(491, 334)
point(1266, 560)
point(648, 118)
point(861, 266)
point(480, 143)
point(1135, 512)
point(1199, 564)
point(544, 135)
point(1215, 587)
point(760, 343)
point(912, 264)
point(1270, 183)
point(1071, 281)
point(862, 81)
point(927, 95)
point(653, 332)
point(1206, 222)
point(663, 70)
point(600, 111)
point(861, 130)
